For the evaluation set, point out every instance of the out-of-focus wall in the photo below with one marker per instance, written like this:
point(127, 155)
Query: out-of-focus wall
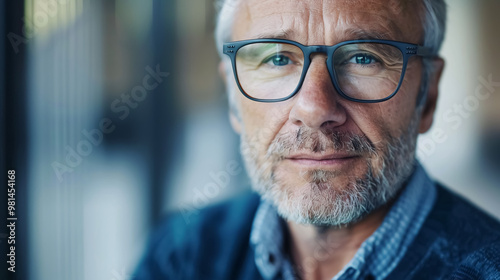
point(95, 82)
point(490, 61)
point(454, 150)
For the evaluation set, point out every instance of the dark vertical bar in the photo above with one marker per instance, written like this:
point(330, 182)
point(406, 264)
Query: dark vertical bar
point(14, 132)
point(3, 162)
point(166, 115)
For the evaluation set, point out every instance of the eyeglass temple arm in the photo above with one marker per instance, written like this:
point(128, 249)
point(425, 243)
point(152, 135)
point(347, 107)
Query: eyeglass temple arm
point(424, 51)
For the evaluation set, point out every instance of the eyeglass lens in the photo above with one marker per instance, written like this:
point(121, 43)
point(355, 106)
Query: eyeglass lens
point(364, 71)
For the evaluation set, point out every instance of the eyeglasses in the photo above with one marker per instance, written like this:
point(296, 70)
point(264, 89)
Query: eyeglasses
point(366, 71)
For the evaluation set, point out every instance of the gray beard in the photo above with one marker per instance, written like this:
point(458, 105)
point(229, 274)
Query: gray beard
point(321, 203)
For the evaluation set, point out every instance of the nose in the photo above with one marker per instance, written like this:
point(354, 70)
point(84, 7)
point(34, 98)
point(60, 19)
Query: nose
point(316, 104)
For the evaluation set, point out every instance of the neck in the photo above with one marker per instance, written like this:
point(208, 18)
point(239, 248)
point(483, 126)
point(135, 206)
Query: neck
point(322, 252)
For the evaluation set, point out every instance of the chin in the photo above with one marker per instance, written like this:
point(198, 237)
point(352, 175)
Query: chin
point(327, 199)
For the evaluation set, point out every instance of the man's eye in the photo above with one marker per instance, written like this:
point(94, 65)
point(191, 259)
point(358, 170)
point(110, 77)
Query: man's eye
point(278, 60)
point(362, 59)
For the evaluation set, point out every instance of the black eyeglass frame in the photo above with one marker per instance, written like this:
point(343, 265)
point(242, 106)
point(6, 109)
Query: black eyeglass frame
point(407, 49)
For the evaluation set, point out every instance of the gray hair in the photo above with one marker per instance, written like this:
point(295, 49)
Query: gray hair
point(434, 19)
point(434, 25)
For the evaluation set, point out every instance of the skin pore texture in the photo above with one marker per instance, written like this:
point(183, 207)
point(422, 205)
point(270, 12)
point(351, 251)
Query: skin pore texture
point(332, 167)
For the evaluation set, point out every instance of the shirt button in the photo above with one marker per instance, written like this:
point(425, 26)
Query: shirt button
point(369, 277)
point(270, 258)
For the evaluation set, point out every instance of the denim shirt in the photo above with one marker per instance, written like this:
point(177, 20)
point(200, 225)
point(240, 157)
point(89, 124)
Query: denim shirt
point(378, 255)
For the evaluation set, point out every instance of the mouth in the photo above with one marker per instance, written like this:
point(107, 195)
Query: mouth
point(322, 160)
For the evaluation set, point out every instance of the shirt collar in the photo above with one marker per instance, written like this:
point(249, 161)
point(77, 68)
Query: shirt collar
point(378, 255)
point(267, 239)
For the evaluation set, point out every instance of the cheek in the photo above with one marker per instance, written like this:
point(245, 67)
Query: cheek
point(261, 122)
point(410, 87)
point(381, 121)
point(371, 120)
point(394, 116)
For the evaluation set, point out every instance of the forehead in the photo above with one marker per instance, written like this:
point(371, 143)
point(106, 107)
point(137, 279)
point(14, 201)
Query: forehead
point(328, 21)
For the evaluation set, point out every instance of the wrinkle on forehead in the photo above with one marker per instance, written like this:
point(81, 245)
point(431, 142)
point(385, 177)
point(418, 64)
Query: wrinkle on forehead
point(308, 20)
point(380, 27)
point(394, 6)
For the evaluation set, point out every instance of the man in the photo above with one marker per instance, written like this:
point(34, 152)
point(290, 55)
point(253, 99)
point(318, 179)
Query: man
point(329, 98)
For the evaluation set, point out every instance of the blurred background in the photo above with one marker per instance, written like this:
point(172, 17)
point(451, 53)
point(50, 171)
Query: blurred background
point(113, 114)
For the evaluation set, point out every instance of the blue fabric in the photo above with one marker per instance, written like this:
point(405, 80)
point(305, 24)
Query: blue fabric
point(456, 241)
point(378, 255)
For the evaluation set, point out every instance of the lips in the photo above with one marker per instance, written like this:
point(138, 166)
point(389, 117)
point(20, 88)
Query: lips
point(330, 159)
point(322, 157)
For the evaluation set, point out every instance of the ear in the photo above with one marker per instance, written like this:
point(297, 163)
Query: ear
point(432, 96)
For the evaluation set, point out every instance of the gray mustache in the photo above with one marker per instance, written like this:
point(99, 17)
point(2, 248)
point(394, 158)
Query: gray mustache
point(315, 141)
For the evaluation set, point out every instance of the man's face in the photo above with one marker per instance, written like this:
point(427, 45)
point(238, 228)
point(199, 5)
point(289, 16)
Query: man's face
point(318, 157)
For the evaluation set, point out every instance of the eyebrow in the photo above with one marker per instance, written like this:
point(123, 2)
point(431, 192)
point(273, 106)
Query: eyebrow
point(282, 34)
point(363, 34)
